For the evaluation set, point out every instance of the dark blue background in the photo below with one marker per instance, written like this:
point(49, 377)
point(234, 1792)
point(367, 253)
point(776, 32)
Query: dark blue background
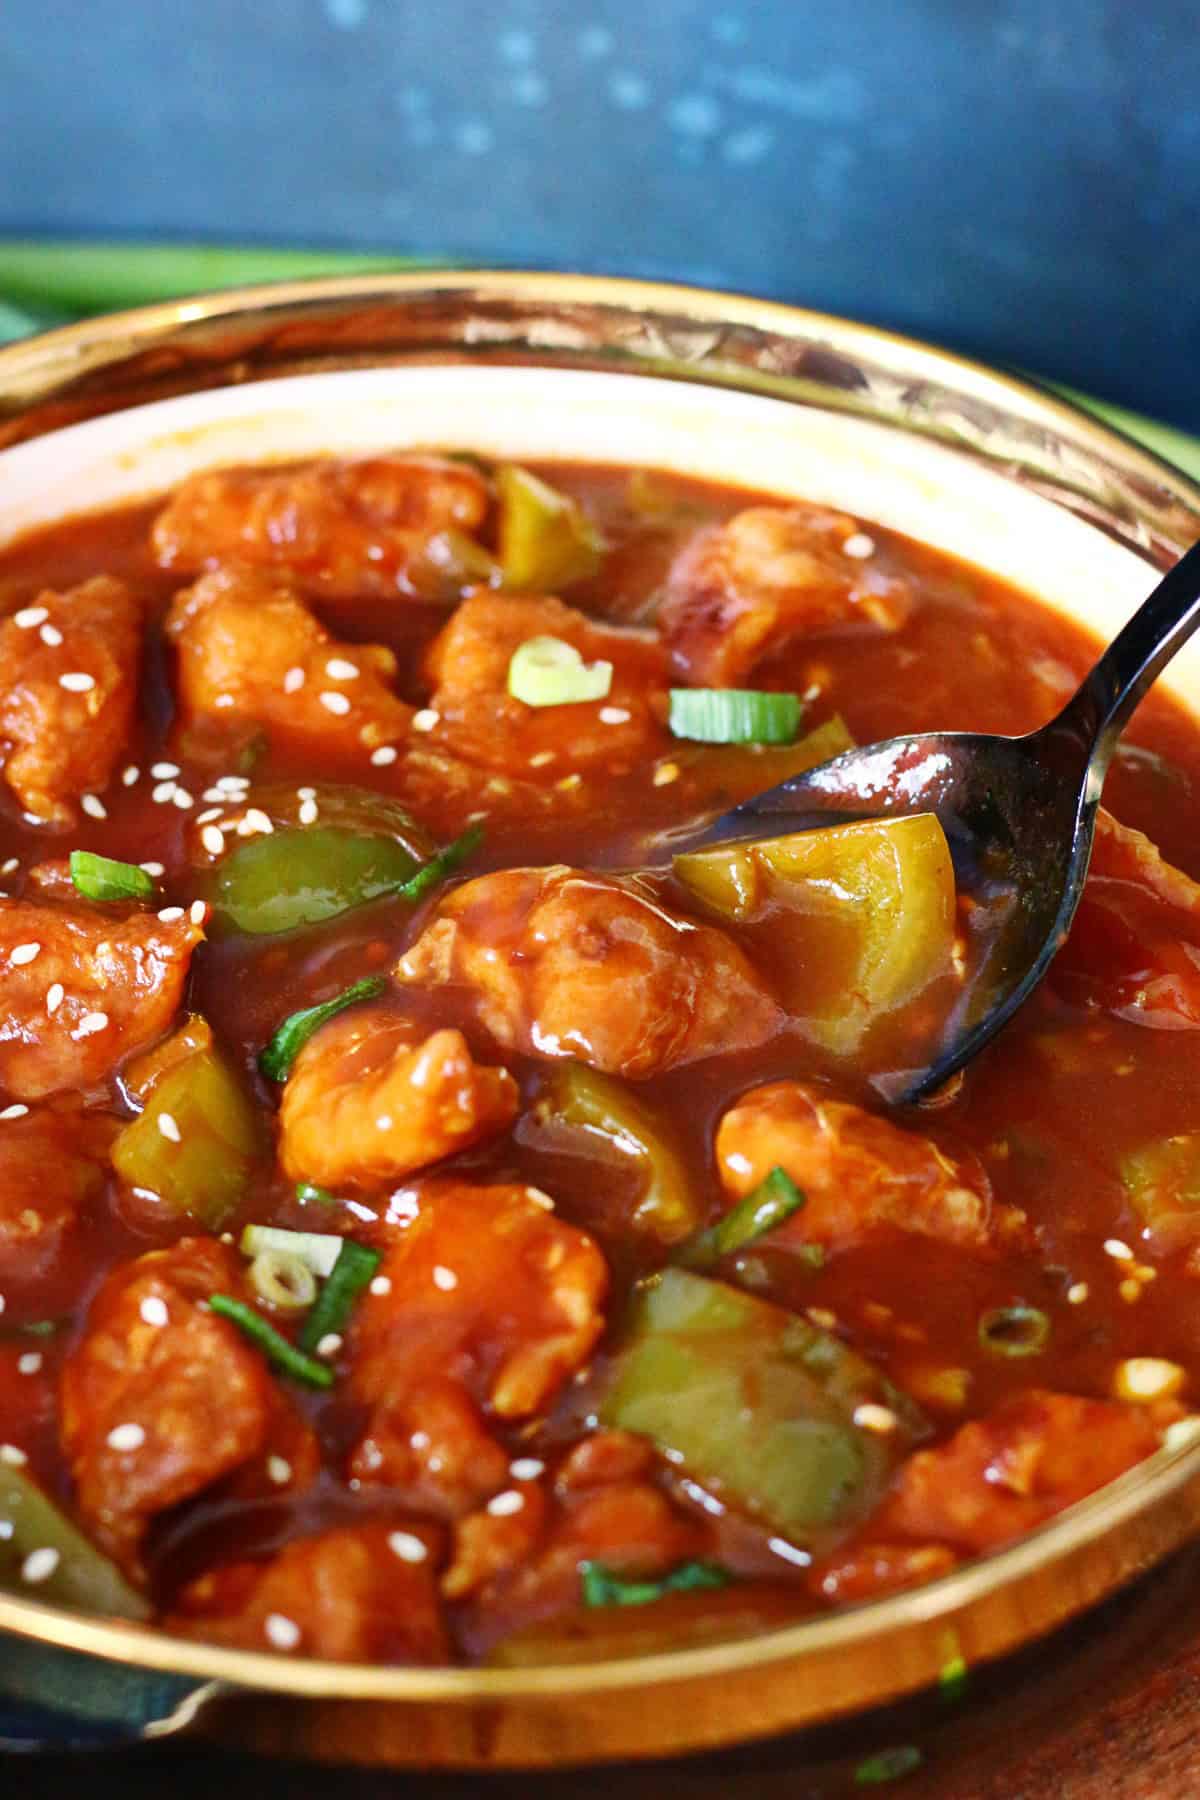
point(1018, 178)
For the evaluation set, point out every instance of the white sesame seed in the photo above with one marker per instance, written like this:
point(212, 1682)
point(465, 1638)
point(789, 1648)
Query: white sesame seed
point(384, 1122)
point(869, 1417)
point(13, 863)
point(16, 1459)
point(16, 1111)
point(90, 1024)
point(407, 1546)
point(444, 1278)
point(615, 715)
point(154, 1311)
point(539, 1197)
point(279, 1470)
point(6, 1528)
point(23, 953)
point(93, 806)
point(330, 1344)
point(665, 774)
point(198, 912)
point(213, 793)
point(232, 784)
point(3, 1303)
point(153, 868)
point(161, 770)
point(381, 1285)
point(130, 775)
point(502, 1506)
point(211, 812)
point(293, 681)
point(1077, 1293)
point(426, 719)
point(39, 1565)
point(338, 669)
point(169, 1128)
point(309, 812)
point(282, 1632)
point(334, 703)
point(1147, 1378)
point(569, 783)
point(29, 616)
point(169, 914)
point(386, 753)
point(223, 700)
point(181, 798)
point(213, 840)
point(164, 792)
point(540, 760)
point(1120, 1251)
point(254, 820)
point(30, 1362)
point(859, 546)
point(526, 1468)
point(126, 1437)
point(76, 682)
point(51, 635)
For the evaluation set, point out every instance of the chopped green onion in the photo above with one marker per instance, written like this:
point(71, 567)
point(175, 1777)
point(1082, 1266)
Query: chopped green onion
point(41, 1327)
point(100, 878)
point(282, 1280)
point(353, 1270)
point(273, 1345)
point(888, 1765)
point(775, 1199)
point(444, 863)
point(546, 671)
point(953, 1680)
point(317, 1250)
point(734, 716)
point(600, 1587)
point(1017, 1330)
point(279, 1055)
point(309, 1194)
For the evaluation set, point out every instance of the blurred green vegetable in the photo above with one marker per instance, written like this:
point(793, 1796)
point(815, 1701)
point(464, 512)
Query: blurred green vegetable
point(546, 539)
point(196, 1142)
point(77, 1574)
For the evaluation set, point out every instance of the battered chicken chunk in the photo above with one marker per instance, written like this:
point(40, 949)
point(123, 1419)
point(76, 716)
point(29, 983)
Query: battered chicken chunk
point(1134, 947)
point(372, 527)
point(1001, 1476)
point(861, 1174)
point(490, 1304)
point(364, 1593)
point(161, 1397)
point(366, 1102)
point(69, 668)
point(561, 963)
point(740, 591)
point(479, 720)
point(251, 652)
point(52, 1164)
point(81, 988)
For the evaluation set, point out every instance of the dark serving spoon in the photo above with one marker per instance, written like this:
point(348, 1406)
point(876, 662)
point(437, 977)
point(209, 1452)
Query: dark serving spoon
point(1019, 813)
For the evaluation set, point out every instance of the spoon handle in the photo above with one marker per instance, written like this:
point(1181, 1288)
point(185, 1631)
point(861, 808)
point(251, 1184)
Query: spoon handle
point(1102, 706)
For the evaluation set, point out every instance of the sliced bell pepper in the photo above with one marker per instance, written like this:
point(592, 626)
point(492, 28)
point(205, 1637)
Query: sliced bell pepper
point(757, 1406)
point(546, 540)
point(77, 1574)
point(196, 1142)
point(867, 912)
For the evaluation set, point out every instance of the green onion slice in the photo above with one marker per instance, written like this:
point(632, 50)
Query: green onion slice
point(353, 1270)
point(888, 1765)
point(775, 1199)
point(309, 1194)
point(600, 1587)
point(100, 878)
point(279, 1055)
point(273, 1345)
point(282, 1280)
point(441, 865)
point(734, 716)
point(318, 1250)
point(546, 671)
point(1017, 1330)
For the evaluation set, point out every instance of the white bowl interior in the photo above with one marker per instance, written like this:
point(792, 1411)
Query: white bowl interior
point(900, 480)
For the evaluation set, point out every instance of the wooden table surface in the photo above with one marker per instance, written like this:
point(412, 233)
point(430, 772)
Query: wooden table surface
point(1108, 1709)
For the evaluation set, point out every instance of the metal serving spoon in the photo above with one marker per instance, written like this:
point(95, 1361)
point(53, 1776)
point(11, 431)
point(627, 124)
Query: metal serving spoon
point(1019, 813)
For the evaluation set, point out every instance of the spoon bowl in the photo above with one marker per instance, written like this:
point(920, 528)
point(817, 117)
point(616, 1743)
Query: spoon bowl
point(1019, 813)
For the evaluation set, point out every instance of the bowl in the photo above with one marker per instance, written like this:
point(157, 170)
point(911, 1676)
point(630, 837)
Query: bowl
point(737, 390)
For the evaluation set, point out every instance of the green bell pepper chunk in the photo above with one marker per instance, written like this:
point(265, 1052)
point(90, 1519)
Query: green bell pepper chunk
point(757, 1406)
point(546, 540)
point(302, 877)
point(196, 1143)
point(81, 1577)
point(1162, 1180)
point(576, 1102)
